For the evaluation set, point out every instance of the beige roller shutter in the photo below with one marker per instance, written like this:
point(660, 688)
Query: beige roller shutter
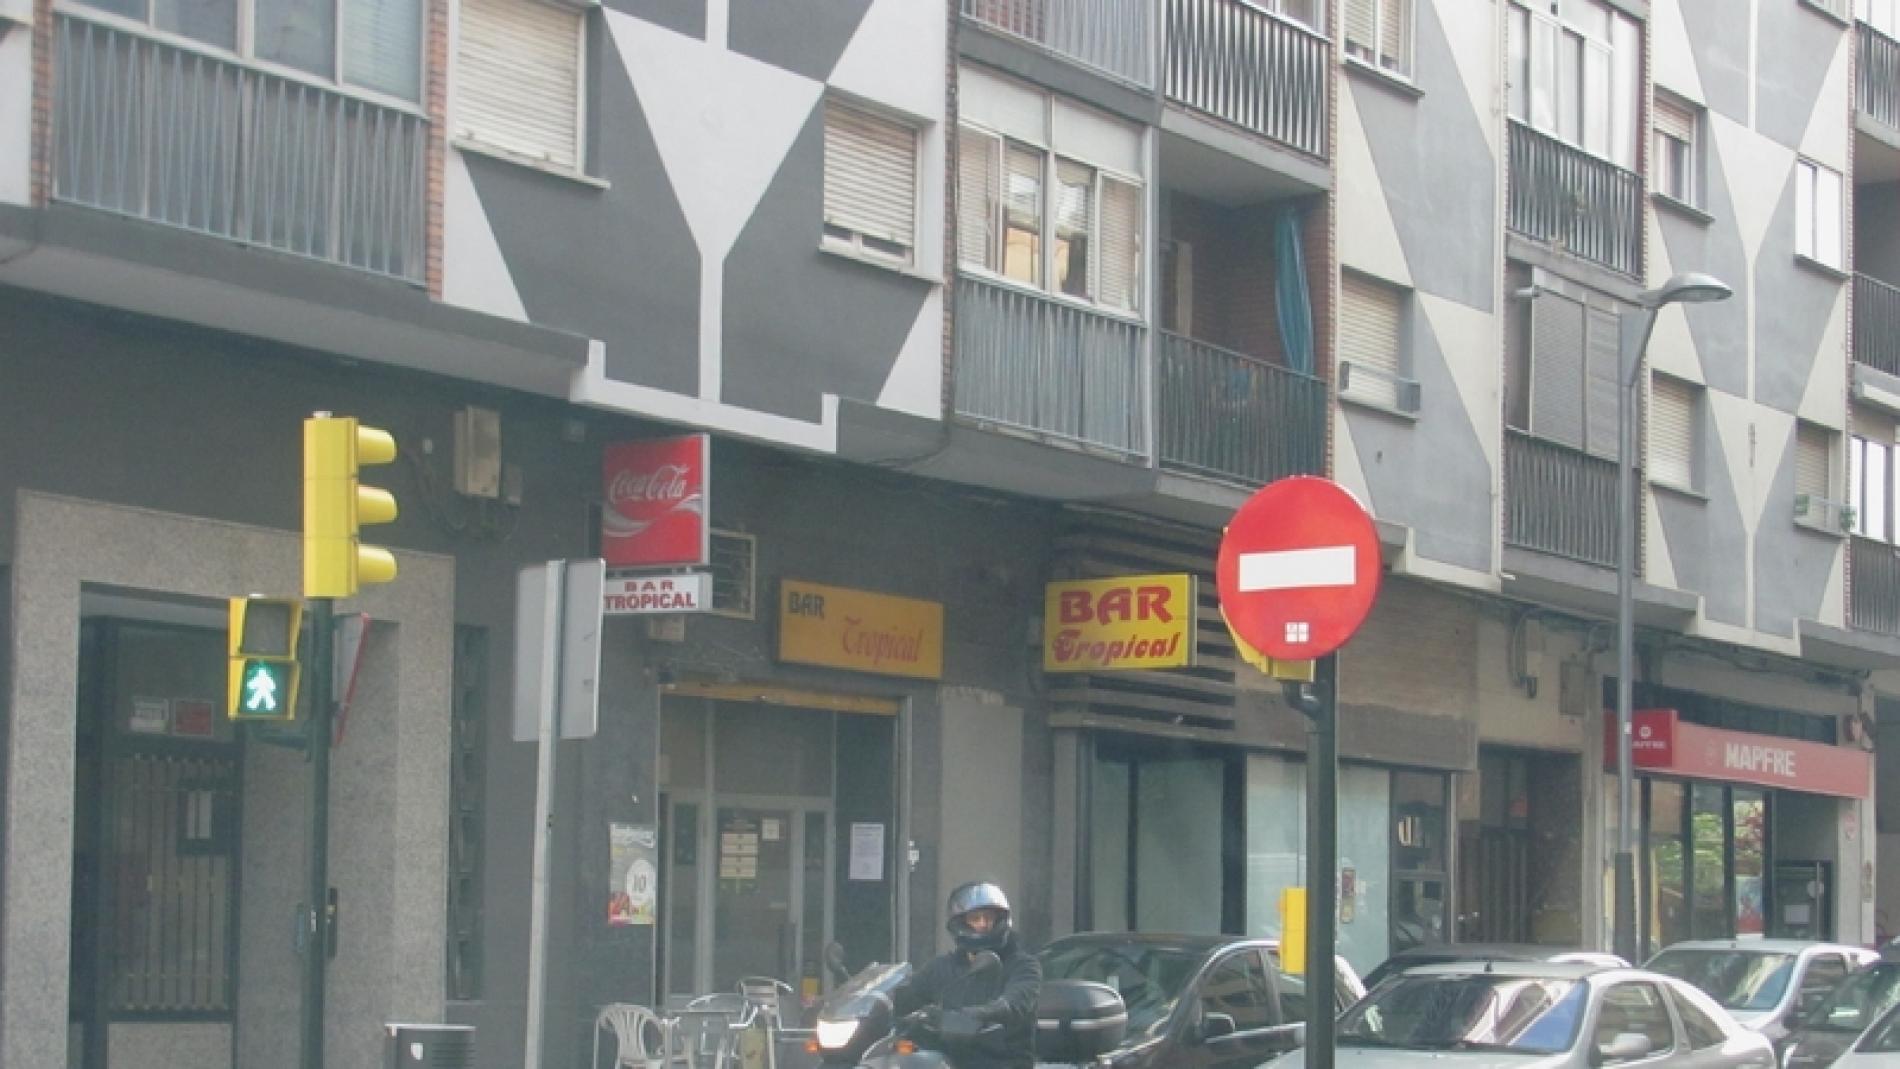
point(1557, 369)
point(977, 194)
point(1674, 120)
point(518, 78)
point(1394, 28)
point(1121, 244)
point(1812, 446)
point(870, 174)
point(1362, 28)
point(1369, 340)
point(1672, 433)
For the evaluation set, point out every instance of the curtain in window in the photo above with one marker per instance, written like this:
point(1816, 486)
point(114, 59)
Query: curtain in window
point(382, 46)
point(1296, 312)
point(1121, 244)
point(977, 195)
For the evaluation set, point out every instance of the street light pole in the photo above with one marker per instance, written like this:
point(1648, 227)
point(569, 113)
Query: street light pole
point(1633, 330)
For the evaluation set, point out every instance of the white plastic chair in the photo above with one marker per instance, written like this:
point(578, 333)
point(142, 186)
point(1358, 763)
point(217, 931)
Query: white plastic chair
point(637, 1030)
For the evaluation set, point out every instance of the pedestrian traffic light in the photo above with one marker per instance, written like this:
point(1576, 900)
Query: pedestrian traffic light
point(336, 505)
point(264, 668)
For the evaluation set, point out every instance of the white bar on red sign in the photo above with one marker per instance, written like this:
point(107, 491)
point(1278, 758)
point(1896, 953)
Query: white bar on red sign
point(1293, 569)
point(645, 595)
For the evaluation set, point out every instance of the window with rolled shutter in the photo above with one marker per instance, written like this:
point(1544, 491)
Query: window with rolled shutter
point(1674, 433)
point(870, 180)
point(1813, 445)
point(1369, 340)
point(1379, 32)
point(518, 78)
point(1599, 398)
point(1121, 244)
point(977, 198)
point(1557, 369)
point(1676, 150)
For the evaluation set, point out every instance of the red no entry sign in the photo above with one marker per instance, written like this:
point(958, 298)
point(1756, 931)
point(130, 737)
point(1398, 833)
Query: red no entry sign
point(1298, 568)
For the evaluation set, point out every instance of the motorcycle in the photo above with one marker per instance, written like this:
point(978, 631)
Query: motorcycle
point(1076, 1022)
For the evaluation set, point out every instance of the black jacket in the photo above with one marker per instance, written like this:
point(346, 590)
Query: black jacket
point(1005, 996)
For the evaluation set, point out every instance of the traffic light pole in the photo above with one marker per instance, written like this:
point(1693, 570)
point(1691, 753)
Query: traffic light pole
point(317, 921)
point(1319, 701)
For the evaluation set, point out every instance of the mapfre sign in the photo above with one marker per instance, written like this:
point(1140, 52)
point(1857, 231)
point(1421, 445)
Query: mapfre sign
point(1128, 623)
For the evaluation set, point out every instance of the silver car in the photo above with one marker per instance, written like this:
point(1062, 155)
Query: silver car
point(1766, 984)
point(1539, 1015)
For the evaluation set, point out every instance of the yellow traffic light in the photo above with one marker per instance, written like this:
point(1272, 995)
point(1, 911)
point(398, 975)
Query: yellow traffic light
point(335, 506)
point(264, 671)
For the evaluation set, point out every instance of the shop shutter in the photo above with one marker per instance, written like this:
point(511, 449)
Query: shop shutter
point(977, 154)
point(1600, 359)
point(1812, 446)
point(1673, 433)
point(1369, 340)
point(1121, 244)
point(870, 174)
point(518, 78)
point(1557, 369)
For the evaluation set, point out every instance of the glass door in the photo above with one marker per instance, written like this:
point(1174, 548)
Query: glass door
point(755, 908)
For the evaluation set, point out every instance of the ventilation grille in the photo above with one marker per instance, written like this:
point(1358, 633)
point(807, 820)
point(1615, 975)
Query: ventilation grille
point(734, 568)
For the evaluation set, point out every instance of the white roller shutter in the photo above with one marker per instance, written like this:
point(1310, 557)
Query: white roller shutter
point(1369, 340)
point(1673, 433)
point(1362, 29)
point(1121, 244)
point(870, 174)
point(518, 78)
point(1600, 375)
point(977, 195)
point(1674, 120)
point(1812, 446)
point(1395, 26)
point(1557, 369)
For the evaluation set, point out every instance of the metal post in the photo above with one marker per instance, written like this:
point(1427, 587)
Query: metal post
point(1633, 336)
point(1317, 701)
point(549, 699)
point(317, 920)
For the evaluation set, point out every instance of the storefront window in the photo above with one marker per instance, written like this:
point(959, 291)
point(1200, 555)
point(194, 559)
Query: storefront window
point(1751, 847)
point(1709, 836)
point(1666, 888)
point(1159, 830)
point(1420, 870)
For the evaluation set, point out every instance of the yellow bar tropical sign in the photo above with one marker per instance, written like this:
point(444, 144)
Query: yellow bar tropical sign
point(859, 631)
point(1125, 624)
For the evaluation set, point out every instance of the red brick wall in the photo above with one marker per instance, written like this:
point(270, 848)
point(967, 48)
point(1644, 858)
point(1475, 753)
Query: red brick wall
point(436, 99)
point(42, 165)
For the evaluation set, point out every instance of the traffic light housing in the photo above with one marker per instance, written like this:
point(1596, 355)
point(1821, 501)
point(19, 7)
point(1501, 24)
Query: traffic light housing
point(336, 506)
point(264, 672)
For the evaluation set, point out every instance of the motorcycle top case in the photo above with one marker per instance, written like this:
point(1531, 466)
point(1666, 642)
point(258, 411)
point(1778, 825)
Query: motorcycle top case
point(1078, 1020)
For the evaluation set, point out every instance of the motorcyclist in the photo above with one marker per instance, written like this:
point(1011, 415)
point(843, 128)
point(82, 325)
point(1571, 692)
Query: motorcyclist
point(968, 999)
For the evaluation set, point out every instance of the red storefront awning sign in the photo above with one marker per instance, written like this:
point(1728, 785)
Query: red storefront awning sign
point(1662, 742)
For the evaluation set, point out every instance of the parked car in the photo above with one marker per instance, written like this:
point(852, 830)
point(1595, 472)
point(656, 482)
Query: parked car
point(1767, 984)
point(1878, 1047)
point(1538, 1015)
point(1824, 1034)
point(1439, 953)
point(1194, 1001)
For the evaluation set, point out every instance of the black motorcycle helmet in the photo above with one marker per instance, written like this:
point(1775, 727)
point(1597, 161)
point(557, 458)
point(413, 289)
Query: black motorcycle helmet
point(966, 900)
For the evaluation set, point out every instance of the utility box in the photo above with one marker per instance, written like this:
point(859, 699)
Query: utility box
point(429, 1046)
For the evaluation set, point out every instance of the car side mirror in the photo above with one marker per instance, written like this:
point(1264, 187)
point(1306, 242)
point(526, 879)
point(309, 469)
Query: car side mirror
point(1626, 1046)
point(1216, 1025)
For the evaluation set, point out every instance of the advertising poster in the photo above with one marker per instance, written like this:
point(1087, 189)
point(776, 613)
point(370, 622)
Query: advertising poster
point(633, 875)
point(867, 851)
point(655, 506)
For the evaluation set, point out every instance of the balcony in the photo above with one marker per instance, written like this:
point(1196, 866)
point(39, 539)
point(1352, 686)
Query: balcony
point(1559, 500)
point(1583, 204)
point(1229, 416)
point(1873, 569)
point(1877, 79)
point(1876, 324)
point(1262, 73)
point(171, 135)
point(1049, 367)
point(1114, 37)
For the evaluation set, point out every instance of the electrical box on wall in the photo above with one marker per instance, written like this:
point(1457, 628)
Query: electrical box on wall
point(1578, 690)
point(478, 452)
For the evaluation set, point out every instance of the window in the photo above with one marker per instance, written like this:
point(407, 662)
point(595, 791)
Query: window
point(1678, 150)
point(1882, 15)
point(1238, 988)
point(1817, 213)
point(1870, 476)
point(1813, 446)
point(1701, 1029)
point(1371, 345)
point(1303, 11)
point(1634, 1008)
point(1570, 386)
point(1575, 69)
point(380, 46)
point(1675, 433)
point(870, 181)
point(1380, 33)
point(518, 78)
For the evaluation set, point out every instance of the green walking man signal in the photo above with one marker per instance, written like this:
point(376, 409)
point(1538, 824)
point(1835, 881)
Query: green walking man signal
point(264, 668)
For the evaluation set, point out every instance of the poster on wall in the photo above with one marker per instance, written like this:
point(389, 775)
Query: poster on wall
point(867, 851)
point(633, 877)
point(194, 719)
point(150, 716)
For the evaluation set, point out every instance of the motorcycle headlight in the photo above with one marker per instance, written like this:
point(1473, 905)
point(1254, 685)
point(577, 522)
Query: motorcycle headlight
point(833, 1035)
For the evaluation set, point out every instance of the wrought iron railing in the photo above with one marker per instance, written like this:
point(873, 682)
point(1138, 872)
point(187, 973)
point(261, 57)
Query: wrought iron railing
point(177, 136)
point(1244, 66)
point(1877, 81)
point(1112, 36)
point(1877, 324)
point(1562, 194)
point(1035, 363)
point(1874, 578)
point(1232, 416)
point(1561, 500)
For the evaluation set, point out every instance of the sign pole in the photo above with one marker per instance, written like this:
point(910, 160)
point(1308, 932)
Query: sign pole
point(317, 921)
point(552, 583)
point(1318, 700)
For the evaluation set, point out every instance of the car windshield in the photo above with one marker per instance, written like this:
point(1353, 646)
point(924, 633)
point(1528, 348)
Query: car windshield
point(1883, 1037)
point(1468, 1011)
point(1150, 977)
point(1861, 997)
point(1738, 979)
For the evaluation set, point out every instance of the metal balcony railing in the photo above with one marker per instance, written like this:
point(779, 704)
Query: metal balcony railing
point(1877, 81)
point(1115, 37)
point(1035, 363)
point(1560, 500)
point(1231, 416)
point(1874, 577)
point(207, 143)
point(1562, 194)
point(1244, 66)
point(1877, 324)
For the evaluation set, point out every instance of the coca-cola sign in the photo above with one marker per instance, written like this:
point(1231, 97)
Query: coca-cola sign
point(656, 508)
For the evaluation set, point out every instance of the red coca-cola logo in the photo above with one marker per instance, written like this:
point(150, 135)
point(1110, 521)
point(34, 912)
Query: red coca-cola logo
point(656, 508)
point(668, 482)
